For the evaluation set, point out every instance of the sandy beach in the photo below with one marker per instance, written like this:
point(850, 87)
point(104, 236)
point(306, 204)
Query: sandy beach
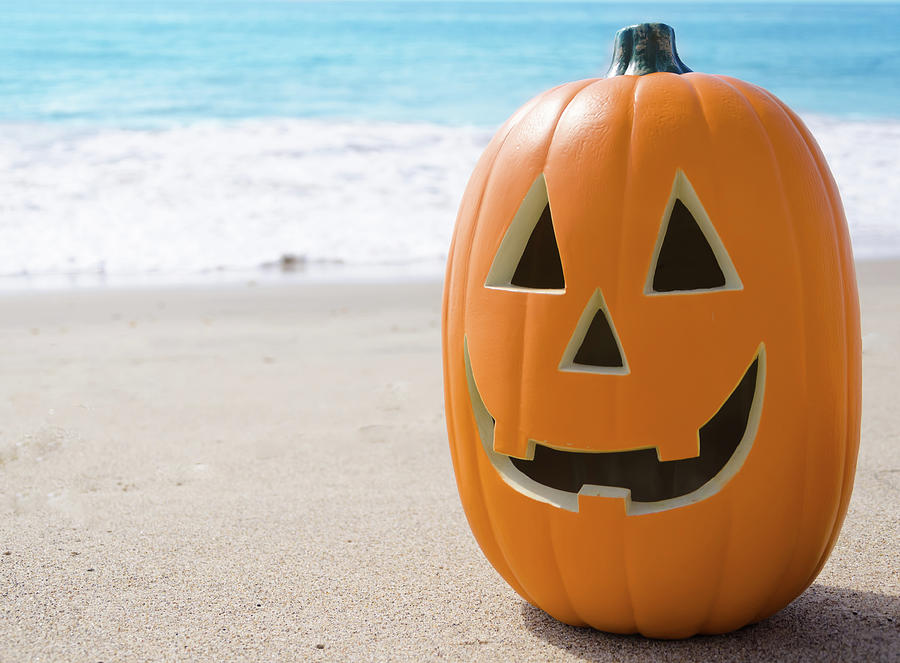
point(261, 472)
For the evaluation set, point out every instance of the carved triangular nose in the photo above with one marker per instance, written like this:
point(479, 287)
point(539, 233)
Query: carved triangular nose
point(599, 347)
point(595, 346)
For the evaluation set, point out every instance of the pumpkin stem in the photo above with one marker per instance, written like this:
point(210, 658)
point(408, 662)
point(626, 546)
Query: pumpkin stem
point(645, 48)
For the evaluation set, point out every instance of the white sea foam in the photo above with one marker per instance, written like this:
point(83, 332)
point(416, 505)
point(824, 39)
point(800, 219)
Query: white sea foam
point(864, 157)
point(240, 195)
point(236, 196)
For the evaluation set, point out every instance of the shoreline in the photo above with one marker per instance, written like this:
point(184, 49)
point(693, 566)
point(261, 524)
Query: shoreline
point(303, 274)
point(279, 274)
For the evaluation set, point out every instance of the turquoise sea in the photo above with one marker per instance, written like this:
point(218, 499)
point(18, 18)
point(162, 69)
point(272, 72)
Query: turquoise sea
point(459, 63)
point(140, 136)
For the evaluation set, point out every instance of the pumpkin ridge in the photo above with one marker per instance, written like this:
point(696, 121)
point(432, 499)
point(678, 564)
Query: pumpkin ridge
point(846, 264)
point(703, 627)
point(498, 551)
point(692, 80)
point(621, 284)
point(588, 83)
point(827, 185)
point(481, 460)
point(688, 81)
point(561, 574)
point(826, 549)
point(746, 91)
point(547, 522)
point(752, 113)
point(629, 177)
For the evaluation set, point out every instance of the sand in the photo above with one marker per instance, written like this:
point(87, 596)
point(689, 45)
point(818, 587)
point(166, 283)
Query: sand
point(261, 472)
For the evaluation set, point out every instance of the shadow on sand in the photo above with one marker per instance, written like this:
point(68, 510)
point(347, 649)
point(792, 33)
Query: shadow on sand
point(824, 624)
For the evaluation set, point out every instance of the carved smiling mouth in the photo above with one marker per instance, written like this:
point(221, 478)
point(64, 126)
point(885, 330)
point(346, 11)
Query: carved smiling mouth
point(648, 485)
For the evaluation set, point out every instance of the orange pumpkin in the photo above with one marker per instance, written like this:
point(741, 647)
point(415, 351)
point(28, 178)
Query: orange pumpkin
point(651, 349)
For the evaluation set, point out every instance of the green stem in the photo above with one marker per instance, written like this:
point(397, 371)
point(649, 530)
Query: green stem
point(646, 48)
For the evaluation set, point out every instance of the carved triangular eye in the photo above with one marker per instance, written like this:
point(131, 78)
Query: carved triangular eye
point(540, 266)
point(528, 257)
point(689, 255)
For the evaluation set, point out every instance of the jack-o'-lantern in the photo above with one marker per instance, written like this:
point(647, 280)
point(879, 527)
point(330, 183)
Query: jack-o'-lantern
point(651, 349)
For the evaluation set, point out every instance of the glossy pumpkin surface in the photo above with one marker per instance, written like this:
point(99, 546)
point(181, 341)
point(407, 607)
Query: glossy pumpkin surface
point(611, 155)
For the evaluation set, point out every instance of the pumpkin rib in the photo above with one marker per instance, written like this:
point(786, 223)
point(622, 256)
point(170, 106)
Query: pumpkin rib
point(773, 597)
point(488, 531)
point(703, 626)
point(853, 374)
point(585, 84)
point(634, 81)
point(699, 81)
point(560, 573)
point(691, 81)
point(629, 164)
point(745, 93)
point(481, 461)
point(825, 547)
point(622, 283)
point(837, 516)
point(846, 364)
point(478, 461)
point(549, 522)
point(559, 538)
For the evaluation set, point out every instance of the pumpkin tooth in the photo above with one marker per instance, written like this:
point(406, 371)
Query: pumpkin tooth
point(510, 441)
point(679, 446)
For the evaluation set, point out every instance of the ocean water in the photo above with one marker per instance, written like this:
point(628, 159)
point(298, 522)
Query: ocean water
point(142, 137)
